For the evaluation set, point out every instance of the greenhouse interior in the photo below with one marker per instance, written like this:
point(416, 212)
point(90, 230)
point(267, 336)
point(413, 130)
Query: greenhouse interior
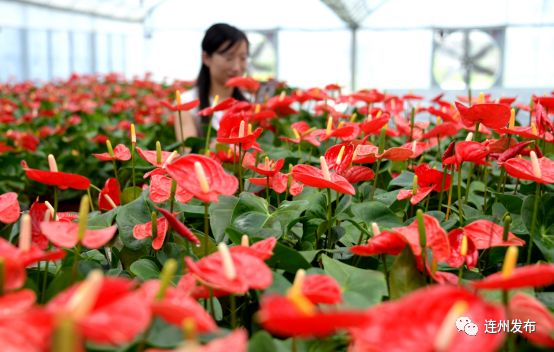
point(314, 175)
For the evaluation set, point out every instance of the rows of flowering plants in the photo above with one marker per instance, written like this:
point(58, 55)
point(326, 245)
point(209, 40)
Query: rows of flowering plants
point(319, 221)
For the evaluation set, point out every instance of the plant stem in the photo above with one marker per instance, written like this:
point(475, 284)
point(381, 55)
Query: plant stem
point(533, 222)
point(375, 180)
point(449, 203)
point(172, 195)
point(208, 133)
point(74, 269)
point(233, 301)
point(115, 172)
point(329, 220)
point(55, 203)
point(468, 182)
point(386, 272)
point(90, 200)
point(44, 280)
point(133, 167)
point(443, 181)
point(460, 211)
point(206, 228)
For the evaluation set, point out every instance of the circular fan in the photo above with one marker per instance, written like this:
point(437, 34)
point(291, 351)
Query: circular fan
point(263, 56)
point(465, 58)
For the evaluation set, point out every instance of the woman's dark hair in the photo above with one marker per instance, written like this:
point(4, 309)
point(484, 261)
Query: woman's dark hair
point(217, 35)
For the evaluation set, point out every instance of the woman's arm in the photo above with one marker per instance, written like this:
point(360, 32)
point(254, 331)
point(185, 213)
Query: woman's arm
point(184, 127)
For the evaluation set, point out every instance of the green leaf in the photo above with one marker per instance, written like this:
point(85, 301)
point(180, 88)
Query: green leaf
point(544, 240)
point(374, 211)
point(404, 276)
point(97, 220)
point(476, 193)
point(221, 215)
point(145, 269)
point(129, 215)
point(261, 341)
point(164, 335)
point(361, 288)
point(287, 259)
point(344, 204)
point(129, 194)
point(404, 180)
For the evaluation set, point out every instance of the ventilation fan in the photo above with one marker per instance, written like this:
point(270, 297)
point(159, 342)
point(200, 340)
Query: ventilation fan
point(467, 57)
point(263, 55)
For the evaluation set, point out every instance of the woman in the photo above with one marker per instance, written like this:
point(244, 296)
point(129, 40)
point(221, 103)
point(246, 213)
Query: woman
point(224, 56)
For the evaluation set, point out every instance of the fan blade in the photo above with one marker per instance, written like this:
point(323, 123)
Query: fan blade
point(258, 49)
point(483, 69)
point(451, 52)
point(263, 67)
point(482, 52)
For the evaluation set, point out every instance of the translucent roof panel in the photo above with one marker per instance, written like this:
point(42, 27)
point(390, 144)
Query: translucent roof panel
point(245, 14)
point(455, 13)
point(125, 10)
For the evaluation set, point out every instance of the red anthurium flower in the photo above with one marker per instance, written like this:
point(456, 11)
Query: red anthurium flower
point(142, 231)
point(24, 328)
point(455, 237)
point(394, 153)
point(267, 167)
point(321, 178)
point(246, 83)
point(104, 310)
point(281, 104)
point(111, 190)
point(469, 151)
point(303, 132)
point(178, 226)
point(355, 174)
point(151, 156)
point(62, 180)
point(526, 276)
point(319, 288)
point(176, 306)
point(387, 242)
point(372, 125)
point(527, 308)
point(234, 129)
point(490, 115)
point(447, 129)
point(236, 341)
point(542, 121)
point(540, 170)
point(224, 105)
point(431, 315)
point(445, 113)
point(262, 249)
point(232, 272)
point(547, 102)
point(506, 148)
point(368, 96)
point(121, 152)
point(418, 147)
point(9, 208)
point(486, 234)
point(428, 180)
point(38, 214)
point(16, 302)
point(344, 131)
point(65, 234)
point(204, 177)
point(437, 240)
point(277, 182)
point(181, 107)
point(160, 190)
point(280, 316)
point(17, 259)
